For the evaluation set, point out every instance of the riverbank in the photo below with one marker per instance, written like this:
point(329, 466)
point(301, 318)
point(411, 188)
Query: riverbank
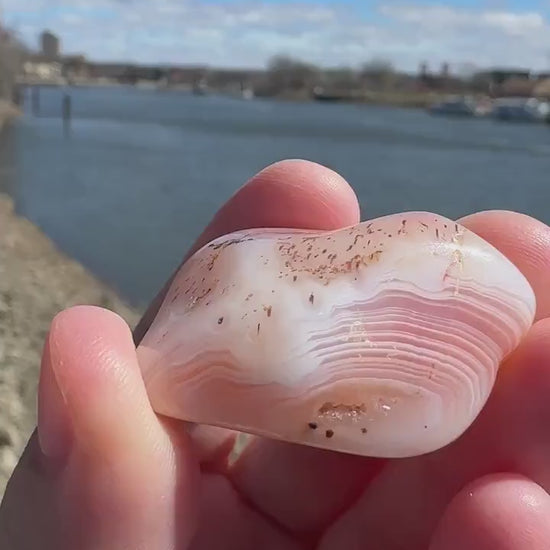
point(36, 282)
point(388, 98)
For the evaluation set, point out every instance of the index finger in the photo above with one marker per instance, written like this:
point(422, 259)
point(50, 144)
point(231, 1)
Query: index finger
point(291, 193)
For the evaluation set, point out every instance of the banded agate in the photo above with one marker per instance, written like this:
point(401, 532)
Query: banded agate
point(382, 339)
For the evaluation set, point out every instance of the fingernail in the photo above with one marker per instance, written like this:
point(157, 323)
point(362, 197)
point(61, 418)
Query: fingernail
point(54, 422)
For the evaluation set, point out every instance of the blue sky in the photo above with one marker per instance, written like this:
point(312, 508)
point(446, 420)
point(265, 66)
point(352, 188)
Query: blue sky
point(246, 33)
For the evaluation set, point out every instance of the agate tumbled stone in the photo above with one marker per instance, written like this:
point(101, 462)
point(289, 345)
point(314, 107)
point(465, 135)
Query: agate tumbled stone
point(382, 339)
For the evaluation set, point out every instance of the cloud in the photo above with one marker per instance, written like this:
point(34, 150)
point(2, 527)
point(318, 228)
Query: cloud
point(246, 33)
point(486, 37)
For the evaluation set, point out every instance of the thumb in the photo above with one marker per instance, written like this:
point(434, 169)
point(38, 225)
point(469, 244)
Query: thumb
point(111, 474)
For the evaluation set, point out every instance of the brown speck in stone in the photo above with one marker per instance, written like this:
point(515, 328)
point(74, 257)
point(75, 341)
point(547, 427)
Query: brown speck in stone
point(220, 320)
point(349, 248)
point(268, 311)
point(436, 233)
point(329, 434)
point(425, 427)
point(324, 251)
point(313, 425)
point(311, 298)
point(258, 329)
point(364, 430)
point(445, 225)
point(456, 227)
point(295, 278)
point(424, 225)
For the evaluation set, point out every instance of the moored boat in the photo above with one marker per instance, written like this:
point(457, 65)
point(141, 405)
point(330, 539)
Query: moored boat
point(521, 109)
point(459, 106)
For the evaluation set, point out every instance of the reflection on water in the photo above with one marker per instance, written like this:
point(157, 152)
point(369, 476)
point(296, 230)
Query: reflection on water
point(141, 172)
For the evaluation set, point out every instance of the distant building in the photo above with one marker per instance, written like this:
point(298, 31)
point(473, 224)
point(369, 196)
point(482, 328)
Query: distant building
point(504, 81)
point(75, 67)
point(50, 45)
point(39, 68)
point(498, 76)
point(542, 89)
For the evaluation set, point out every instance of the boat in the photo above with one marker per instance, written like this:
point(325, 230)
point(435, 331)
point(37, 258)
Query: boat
point(320, 94)
point(458, 106)
point(521, 109)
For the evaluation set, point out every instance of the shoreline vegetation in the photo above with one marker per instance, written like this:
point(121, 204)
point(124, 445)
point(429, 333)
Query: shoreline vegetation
point(385, 98)
point(376, 82)
point(37, 281)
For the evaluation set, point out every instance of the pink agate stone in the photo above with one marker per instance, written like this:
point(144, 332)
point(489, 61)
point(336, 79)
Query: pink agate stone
point(382, 339)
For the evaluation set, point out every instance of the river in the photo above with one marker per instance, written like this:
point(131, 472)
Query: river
point(142, 172)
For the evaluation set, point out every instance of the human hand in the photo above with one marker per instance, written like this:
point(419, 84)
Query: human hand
point(102, 471)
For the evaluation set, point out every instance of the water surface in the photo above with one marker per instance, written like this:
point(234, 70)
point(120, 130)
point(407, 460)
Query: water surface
point(142, 172)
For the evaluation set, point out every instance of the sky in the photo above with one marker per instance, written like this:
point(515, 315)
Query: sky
point(247, 33)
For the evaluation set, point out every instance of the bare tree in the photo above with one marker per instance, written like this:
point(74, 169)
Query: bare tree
point(378, 73)
point(343, 78)
point(286, 73)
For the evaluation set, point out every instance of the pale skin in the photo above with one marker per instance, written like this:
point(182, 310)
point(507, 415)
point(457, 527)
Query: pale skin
point(102, 471)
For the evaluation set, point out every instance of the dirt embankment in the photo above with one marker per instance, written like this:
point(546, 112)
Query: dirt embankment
point(36, 282)
point(8, 112)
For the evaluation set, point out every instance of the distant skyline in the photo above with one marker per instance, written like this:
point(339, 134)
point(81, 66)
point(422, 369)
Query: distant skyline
point(237, 33)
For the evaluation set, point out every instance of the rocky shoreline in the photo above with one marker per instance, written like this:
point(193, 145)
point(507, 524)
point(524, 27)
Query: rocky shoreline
point(36, 282)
